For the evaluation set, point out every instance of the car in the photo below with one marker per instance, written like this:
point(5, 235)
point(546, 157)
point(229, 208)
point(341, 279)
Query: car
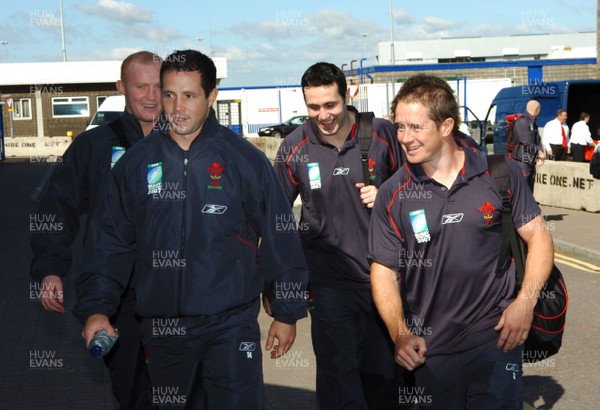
point(283, 129)
point(110, 109)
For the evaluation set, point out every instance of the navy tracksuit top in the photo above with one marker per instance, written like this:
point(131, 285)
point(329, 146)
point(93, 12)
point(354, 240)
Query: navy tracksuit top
point(200, 226)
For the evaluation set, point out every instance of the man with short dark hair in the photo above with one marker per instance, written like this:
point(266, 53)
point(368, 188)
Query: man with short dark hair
point(194, 210)
point(321, 162)
point(75, 189)
point(556, 137)
point(453, 320)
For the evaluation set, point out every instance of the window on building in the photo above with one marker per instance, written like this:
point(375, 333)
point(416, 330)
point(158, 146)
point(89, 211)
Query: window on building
point(22, 109)
point(460, 60)
point(100, 99)
point(70, 107)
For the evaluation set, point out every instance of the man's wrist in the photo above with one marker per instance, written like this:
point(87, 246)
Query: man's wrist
point(95, 316)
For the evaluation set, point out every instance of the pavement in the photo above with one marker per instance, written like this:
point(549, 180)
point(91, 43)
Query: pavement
point(43, 362)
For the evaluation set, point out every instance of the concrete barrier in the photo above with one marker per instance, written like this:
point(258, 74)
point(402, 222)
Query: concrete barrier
point(36, 147)
point(268, 145)
point(567, 185)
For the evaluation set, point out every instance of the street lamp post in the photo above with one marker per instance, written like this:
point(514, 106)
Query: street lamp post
point(392, 55)
point(62, 33)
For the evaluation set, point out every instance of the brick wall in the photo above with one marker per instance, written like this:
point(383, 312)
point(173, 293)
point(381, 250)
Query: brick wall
point(53, 126)
point(59, 126)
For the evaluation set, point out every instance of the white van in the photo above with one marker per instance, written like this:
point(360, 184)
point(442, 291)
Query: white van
point(110, 109)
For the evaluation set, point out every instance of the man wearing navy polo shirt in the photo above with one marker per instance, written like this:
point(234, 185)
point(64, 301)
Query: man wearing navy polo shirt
point(436, 227)
point(321, 162)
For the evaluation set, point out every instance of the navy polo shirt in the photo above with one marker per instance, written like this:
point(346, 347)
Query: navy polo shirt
point(445, 245)
point(334, 223)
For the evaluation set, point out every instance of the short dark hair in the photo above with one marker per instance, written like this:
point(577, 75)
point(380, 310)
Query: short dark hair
point(433, 93)
point(192, 60)
point(325, 74)
point(560, 111)
point(583, 116)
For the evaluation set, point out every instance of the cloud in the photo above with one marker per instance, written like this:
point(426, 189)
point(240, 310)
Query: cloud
point(294, 41)
point(436, 24)
point(114, 10)
point(154, 33)
point(112, 54)
point(403, 17)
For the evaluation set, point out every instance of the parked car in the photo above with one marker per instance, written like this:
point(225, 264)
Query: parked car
point(283, 129)
point(110, 109)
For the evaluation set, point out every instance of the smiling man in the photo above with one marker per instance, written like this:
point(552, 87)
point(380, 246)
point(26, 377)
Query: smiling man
point(195, 208)
point(453, 321)
point(75, 189)
point(321, 162)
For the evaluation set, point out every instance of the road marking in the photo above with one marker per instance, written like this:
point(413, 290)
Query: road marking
point(576, 263)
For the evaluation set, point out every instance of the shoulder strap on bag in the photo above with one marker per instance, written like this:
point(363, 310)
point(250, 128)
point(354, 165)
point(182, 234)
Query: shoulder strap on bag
point(364, 123)
point(117, 126)
point(500, 173)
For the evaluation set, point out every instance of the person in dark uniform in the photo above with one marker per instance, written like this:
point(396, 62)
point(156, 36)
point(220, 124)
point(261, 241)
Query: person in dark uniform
point(529, 150)
point(193, 210)
point(75, 189)
point(321, 162)
point(454, 322)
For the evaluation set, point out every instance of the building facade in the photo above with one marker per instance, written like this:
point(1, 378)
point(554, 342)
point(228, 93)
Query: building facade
point(522, 58)
point(59, 98)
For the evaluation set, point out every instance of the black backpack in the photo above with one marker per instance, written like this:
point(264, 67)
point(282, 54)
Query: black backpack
point(549, 315)
point(595, 164)
point(116, 126)
point(512, 141)
point(364, 123)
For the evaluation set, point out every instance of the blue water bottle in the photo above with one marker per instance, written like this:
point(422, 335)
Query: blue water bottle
point(101, 343)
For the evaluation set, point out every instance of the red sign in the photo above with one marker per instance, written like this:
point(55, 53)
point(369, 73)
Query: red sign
point(352, 90)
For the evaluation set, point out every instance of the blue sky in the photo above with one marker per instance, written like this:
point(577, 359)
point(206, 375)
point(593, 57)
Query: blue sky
point(266, 42)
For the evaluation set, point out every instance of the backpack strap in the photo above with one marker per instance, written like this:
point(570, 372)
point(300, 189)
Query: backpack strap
point(500, 173)
point(364, 123)
point(117, 126)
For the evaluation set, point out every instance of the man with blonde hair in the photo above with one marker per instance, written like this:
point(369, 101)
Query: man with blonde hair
point(454, 321)
point(75, 188)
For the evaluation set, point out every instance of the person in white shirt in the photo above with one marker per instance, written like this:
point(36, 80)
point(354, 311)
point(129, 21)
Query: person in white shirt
point(556, 137)
point(580, 137)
